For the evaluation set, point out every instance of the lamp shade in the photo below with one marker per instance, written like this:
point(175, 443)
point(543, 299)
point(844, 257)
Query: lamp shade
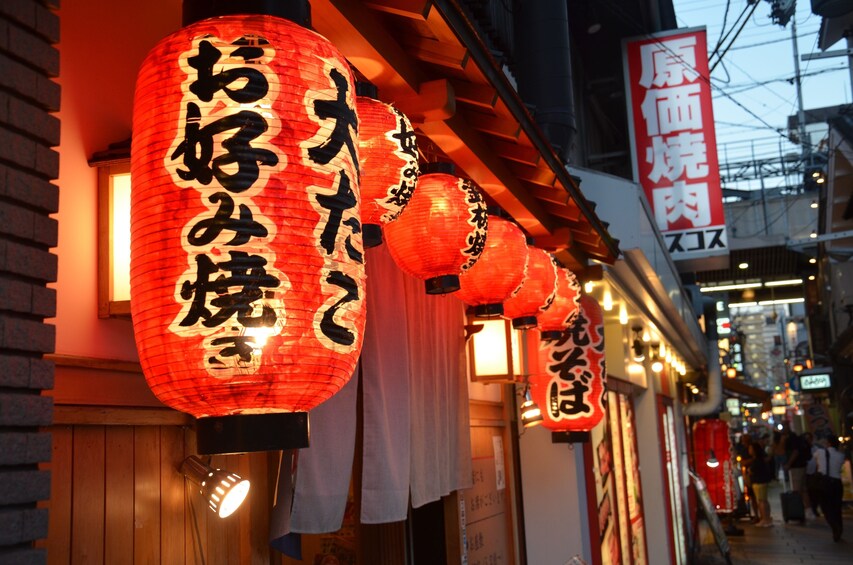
point(536, 292)
point(711, 442)
point(569, 384)
point(498, 272)
point(388, 154)
point(563, 310)
point(247, 274)
point(441, 232)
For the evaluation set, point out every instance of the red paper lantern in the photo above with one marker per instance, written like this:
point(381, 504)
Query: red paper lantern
point(498, 272)
point(441, 233)
point(536, 292)
point(247, 275)
point(388, 154)
point(711, 444)
point(564, 308)
point(569, 388)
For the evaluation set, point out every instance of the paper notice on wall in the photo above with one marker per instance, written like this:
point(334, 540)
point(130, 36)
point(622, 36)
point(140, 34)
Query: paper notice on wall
point(500, 477)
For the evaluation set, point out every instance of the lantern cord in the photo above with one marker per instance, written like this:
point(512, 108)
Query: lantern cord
point(188, 495)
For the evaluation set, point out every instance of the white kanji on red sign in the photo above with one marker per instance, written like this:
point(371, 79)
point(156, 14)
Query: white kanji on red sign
point(683, 154)
point(682, 200)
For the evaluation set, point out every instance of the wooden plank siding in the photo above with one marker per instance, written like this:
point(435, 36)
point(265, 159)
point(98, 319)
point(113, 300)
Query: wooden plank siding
point(118, 498)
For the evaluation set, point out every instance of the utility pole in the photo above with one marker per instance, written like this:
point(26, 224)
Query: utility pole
point(805, 142)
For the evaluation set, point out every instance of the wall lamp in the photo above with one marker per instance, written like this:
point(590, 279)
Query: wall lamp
point(657, 364)
point(637, 347)
point(495, 352)
point(531, 415)
point(712, 461)
point(223, 491)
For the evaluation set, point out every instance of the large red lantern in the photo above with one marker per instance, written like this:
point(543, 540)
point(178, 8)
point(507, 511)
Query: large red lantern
point(498, 272)
point(563, 310)
point(388, 154)
point(441, 232)
point(536, 292)
point(712, 460)
point(247, 272)
point(569, 386)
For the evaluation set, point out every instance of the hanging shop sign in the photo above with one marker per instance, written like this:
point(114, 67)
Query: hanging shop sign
point(674, 140)
point(441, 232)
point(247, 270)
point(569, 385)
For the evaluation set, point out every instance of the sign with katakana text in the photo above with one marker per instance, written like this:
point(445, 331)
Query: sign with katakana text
point(674, 142)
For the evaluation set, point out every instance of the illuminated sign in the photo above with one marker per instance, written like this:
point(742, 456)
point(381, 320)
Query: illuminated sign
point(815, 382)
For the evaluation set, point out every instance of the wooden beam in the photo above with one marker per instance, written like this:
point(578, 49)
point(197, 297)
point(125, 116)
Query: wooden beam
point(435, 100)
point(431, 51)
point(112, 416)
point(481, 96)
point(413, 9)
point(494, 125)
point(540, 176)
point(561, 238)
point(470, 151)
point(518, 152)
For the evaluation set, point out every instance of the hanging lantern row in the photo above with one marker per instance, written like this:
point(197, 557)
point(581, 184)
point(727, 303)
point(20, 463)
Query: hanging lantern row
point(563, 310)
point(247, 270)
point(441, 232)
point(537, 292)
point(388, 154)
point(569, 386)
point(499, 272)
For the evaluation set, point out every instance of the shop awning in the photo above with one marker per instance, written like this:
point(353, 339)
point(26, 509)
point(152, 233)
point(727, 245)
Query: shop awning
point(426, 58)
point(742, 390)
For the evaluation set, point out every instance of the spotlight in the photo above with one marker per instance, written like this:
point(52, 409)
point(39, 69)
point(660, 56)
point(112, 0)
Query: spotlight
point(637, 346)
point(712, 461)
point(531, 415)
point(223, 491)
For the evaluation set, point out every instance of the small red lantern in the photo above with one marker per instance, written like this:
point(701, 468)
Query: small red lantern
point(536, 292)
point(441, 232)
point(564, 309)
point(247, 272)
point(498, 272)
point(712, 459)
point(388, 154)
point(570, 384)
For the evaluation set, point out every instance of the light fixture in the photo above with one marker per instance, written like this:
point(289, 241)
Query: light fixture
point(588, 286)
point(798, 366)
point(623, 314)
point(813, 235)
point(731, 372)
point(812, 260)
point(637, 347)
point(494, 350)
point(786, 282)
point(531, 415)
point(607, 300)
point(748, 294)
point(813, 204)
point(223, 491)
point(811, 277)
point(712, 461)
point(726, 287)
point(743, 266)
point(657, 365)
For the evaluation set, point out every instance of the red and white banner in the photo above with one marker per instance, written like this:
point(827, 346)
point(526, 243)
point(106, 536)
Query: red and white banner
point(674, 142)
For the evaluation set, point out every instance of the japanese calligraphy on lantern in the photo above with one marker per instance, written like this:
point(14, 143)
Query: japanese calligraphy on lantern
point(673, 138)
point(231, 292)
point(569, 386)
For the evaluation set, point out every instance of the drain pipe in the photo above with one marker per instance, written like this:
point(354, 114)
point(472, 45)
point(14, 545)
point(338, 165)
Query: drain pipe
point(711, 404)
point(544, 67)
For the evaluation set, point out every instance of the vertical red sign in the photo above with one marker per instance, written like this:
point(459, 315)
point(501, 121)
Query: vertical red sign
point(674, 142)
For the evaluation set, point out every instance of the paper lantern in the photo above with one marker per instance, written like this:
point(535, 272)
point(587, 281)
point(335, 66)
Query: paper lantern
point(711, 443)
point(569, 386)
point(247, 274)
point(441, 232)
point(563, 310)
point(536, 292)
point(388, 154)
point(499, 271)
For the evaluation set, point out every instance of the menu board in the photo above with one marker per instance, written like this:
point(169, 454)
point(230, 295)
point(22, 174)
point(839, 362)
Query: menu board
point(711, 516)
point(482, 511)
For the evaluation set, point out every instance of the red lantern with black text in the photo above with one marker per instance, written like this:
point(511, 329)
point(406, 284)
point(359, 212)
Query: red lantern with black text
point(563, 310)
point(536, 292)
point(441, 232)
point(712, 460)
point(388, 154)
point(498, 272)
point(247, 275)
point(569, 385)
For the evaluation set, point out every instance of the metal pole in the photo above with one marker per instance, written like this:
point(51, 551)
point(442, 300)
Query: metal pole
point(760, 173)
point(805, 142)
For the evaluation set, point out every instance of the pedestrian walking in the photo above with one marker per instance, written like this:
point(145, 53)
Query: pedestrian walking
point(829, 462)
point(761, 473)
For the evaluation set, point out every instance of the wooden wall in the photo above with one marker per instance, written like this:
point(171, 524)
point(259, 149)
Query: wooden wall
point(117, 496)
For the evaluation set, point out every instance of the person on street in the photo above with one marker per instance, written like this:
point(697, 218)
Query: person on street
point(829, 462)
point(761, 473)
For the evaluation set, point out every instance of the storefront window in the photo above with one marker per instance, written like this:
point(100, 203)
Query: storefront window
point(674, 482)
